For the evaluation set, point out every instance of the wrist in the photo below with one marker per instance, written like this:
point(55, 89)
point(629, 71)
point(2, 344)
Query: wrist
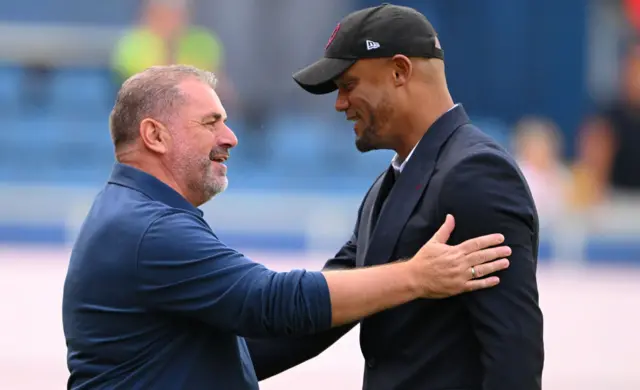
point(409, 276)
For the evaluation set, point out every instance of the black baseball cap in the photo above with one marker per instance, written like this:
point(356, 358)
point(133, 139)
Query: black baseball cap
point(375, 32)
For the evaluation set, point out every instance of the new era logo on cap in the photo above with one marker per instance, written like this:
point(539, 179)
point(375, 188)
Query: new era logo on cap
point(372, 45)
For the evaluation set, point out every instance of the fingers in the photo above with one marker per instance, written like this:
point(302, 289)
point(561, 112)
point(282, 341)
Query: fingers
point(478, 243)
point(486, 255)
point(443, 234)
point(489, 268)
point(485, 269)
point(480, 284)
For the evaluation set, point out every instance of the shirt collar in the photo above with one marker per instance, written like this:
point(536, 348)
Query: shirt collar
point(128, 176)
point(399, 165)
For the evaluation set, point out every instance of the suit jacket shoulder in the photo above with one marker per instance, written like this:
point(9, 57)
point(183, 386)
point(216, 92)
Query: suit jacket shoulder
point(469, 142)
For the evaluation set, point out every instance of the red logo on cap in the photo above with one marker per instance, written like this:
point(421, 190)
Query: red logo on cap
point(333, 36)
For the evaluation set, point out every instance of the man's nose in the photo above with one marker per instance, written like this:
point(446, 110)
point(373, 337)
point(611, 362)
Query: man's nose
point(342, 104)
point(228, 138)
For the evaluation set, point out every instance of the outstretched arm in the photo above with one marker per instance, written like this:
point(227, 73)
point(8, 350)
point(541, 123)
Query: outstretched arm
point(272, 356)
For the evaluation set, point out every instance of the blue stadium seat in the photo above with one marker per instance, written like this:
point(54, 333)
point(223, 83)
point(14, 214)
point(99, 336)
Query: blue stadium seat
point(297, 145)
point(113, 12)
point(10, 79)
point(495, 128)
point(79, 92)
point(85, 153)
point(28, 145)
point(50, 149)
point(31, 130)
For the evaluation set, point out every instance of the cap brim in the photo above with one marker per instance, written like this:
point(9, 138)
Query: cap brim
point(318, 77)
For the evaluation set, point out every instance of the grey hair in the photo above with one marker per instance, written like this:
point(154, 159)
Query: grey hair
point(152, 93)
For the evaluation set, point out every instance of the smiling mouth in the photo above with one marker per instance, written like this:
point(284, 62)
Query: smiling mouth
point(354, 119)
point(219, 159)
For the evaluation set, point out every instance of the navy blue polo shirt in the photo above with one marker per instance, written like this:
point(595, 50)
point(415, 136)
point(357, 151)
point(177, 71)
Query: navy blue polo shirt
point(154, 300)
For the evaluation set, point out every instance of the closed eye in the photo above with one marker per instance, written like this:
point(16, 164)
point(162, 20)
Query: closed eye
point(211, 125)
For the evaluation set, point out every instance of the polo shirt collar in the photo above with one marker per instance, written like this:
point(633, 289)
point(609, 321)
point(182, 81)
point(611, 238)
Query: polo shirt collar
point(131, 177)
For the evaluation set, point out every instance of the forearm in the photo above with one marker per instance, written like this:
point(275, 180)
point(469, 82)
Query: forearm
point(356, 294)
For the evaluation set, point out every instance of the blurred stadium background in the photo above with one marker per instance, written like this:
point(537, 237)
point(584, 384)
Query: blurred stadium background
point(558, 82)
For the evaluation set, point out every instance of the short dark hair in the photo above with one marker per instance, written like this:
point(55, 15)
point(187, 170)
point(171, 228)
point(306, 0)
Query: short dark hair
point(153, 93)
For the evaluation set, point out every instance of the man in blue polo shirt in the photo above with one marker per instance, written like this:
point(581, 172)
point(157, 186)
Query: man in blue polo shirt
point(152, 298)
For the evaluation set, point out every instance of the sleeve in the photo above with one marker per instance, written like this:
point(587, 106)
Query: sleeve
point(271, 356)
point(184, 269)
point(486, 194)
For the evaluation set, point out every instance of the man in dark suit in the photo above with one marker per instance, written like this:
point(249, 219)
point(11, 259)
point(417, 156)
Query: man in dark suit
point(387, 66)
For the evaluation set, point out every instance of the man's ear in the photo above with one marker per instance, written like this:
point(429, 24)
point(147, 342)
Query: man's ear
point(402, 69)
point(154, 135)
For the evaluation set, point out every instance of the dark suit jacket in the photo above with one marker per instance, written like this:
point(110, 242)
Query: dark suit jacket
point(489, 339)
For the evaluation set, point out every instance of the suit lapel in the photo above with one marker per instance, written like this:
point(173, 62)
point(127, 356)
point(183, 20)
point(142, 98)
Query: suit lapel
point(394, 213)
point(369, 214)
point(383, 190)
